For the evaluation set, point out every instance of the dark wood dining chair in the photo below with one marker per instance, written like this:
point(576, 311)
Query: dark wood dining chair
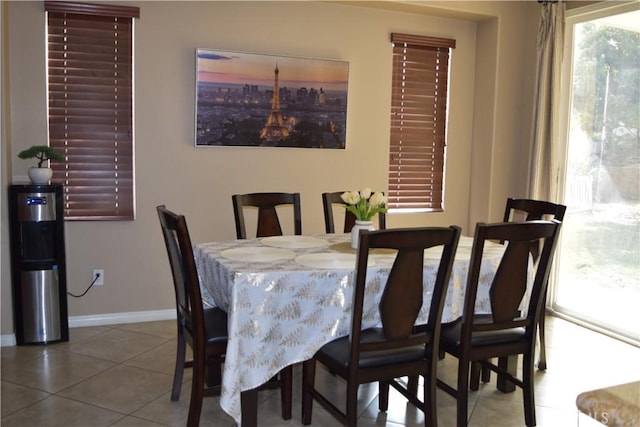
point(531, 210)
point(398, 348)
point(506, 333)
point(268, 221)
point(203, 329)
point(330, 199)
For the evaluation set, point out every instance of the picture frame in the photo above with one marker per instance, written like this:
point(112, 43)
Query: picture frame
point(260, 100)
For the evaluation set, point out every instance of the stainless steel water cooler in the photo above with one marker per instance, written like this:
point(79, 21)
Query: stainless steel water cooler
point(38, 270)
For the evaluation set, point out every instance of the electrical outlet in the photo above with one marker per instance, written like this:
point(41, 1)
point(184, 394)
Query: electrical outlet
point(100, 277)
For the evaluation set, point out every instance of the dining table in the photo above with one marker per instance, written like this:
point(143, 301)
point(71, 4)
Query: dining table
point(287, 296)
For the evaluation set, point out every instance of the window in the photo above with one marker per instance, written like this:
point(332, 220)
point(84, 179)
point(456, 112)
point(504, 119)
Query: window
point(90, 87)
point(418, 122)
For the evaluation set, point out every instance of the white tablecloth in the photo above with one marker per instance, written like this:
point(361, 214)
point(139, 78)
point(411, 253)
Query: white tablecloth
point(281, 312)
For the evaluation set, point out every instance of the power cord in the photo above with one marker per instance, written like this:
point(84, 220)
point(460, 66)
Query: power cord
point(85, 292)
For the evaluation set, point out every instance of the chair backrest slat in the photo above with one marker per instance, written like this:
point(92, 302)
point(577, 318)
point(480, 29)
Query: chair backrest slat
point(402, 297)
point(509, 285)
point(404, 289)
point(510, 281)
point(268, 221)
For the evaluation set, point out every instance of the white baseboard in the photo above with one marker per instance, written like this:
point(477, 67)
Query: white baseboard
point(119, 318)
point(7, 340)
point(106, 319)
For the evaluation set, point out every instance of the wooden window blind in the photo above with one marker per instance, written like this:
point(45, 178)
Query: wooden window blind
point(90, 87)
point(418, 122)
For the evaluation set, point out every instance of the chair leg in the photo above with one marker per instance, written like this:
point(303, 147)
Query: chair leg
point(527, 390)
point(249, 408)
point(383, 396)
point(477, 373)
point(352, 403)
point(179, 368)
point(308, 381)
point(509, 364)
point(197, 393)
point(412, 385)
point(286, 391)
point(214, 372)
point(542, 361)
point(474, 383)
point(463, 393)
point(486, 374)
point(430, 407)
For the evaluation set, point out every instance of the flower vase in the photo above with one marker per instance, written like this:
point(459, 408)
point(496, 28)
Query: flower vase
point(355, 231)
point(40, 175)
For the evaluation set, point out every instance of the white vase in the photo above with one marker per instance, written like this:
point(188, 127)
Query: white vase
point(40, 175)
point(355, 231)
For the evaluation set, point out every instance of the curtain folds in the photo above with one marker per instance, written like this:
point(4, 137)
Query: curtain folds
point(543, 170)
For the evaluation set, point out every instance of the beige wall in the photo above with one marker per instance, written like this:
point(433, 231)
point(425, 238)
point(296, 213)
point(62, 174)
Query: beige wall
point(489, 123)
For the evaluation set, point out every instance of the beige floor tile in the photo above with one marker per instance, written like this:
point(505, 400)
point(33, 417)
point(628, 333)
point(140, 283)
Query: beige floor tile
point(160, 359)
point(554, 417)
point(121, 375)
point(121, 388)
point(447, 414)
point(270, 410)
point(77, 334)
point(14, 397)
point(54, 371)
point(58, 411)
point(557, 394)
point(497, 413)
point(163, 328)
point(382, 420)
point(130, 421)
point(24, 353)
point(116, 345)
point(399, 412)
point(165, 412)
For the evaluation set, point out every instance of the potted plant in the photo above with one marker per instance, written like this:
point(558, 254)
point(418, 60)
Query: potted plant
point(41, 174)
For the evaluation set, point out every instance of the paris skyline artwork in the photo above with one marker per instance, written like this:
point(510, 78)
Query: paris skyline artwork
point(259, 100)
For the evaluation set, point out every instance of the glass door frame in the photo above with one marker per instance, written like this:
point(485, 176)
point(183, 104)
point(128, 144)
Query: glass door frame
point(572, 18)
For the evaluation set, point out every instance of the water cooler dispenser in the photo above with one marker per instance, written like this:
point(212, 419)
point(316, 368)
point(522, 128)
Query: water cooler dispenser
point(38, 271)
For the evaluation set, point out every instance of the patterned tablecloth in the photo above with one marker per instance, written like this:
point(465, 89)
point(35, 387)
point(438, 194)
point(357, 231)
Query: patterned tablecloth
point(285, 301)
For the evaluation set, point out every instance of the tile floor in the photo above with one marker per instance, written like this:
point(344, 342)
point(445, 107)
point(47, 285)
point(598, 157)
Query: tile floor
point(121, 375)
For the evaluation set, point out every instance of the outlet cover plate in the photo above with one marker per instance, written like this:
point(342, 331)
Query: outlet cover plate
point(100, 280)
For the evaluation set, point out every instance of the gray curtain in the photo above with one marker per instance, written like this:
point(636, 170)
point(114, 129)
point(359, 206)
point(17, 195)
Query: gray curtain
point(543, 170)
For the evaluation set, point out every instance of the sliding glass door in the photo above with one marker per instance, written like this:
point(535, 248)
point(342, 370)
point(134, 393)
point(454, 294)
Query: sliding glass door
point(598, 267)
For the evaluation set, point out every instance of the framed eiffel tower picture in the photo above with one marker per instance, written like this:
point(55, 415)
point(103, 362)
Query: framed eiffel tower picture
point(257, 100)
